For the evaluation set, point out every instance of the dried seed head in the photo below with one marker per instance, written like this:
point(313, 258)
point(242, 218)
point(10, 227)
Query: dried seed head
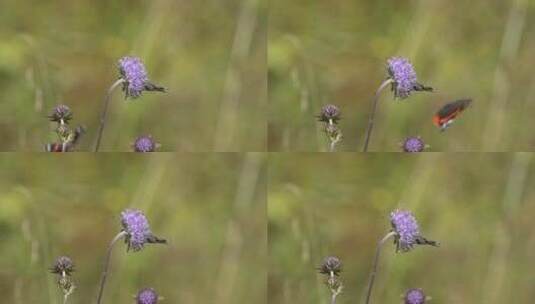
point(147, 296)
point(145, 144)
point(63, 266)
point(415, 296)
point(66, 285)
point(413, 144)
point(61, 113)
point(331, 264)
point(329, 113)
point(403, 76)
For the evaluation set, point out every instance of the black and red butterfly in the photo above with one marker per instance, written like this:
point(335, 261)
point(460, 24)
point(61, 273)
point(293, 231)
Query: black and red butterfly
point(447, 114)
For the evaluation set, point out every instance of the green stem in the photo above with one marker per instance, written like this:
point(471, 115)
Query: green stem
point(105, 113)
point(372, 114)
point(375, 263)
point(119, 236)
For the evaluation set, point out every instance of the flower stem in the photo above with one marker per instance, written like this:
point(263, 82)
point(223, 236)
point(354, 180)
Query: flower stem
point(372, 114)
point(105, 112)
point(119, 236)
point(375, 262)
point(332, 146)
point(333, 298)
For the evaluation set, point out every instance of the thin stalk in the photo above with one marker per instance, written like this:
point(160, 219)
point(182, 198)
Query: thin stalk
point(105, 112)
point(333, 298)
point(375, 263)
point(332, 146)
point(372, 114)
point(104, 276)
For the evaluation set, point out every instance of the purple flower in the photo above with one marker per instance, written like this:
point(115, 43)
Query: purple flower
point(137, 229)
point(413, 144)
point(403, 76)
point(63, 266)
point(415, 296)
point(61, 113)
point(135, 77)
point(147, 296)
point(406, 228)
point(145, 144)
point(407, 232)
point(329, 113)
point(331, 264)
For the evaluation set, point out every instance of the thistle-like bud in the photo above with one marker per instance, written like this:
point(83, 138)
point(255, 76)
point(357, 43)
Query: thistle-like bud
point(61, 114)
point(331, 266)
point(63, 266)
point(329, 113)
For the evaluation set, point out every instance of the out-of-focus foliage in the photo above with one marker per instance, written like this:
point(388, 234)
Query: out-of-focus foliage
point(478, 206)
point(211, 209)
point(210, 55)
point(335, 52)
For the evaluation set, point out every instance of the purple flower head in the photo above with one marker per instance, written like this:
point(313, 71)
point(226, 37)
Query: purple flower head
point(145, 144)
point(413, 144)
point(407, 232)
point(137, 229)
point(63, 266)
point(331, 264)
point(329, 113)
point(61, 113)
point(135, 77)
point(415, 296)
point(147, 296)
point(403, 76)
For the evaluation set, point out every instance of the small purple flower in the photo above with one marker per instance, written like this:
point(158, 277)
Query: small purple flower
point(61, 113)
point(137, 229)
point(147, 296)
point(406, 228)
point(135, 76)
point(413, 144)
point(63, 266)
point(407, 235)
point(415, 296)
point(329, 113)
point(331, 264)
point(403, 76)
point(145, 144)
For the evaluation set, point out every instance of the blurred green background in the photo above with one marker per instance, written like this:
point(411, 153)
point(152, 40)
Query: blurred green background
point(335, 52)
point(210, 208)
point(479, 206)
point(210, 55)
